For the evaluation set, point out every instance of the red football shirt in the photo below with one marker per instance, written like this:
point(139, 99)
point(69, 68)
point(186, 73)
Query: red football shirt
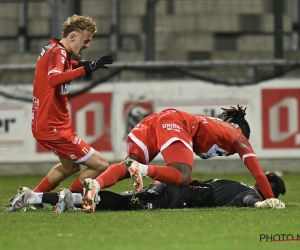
point(205, 136)
point(50, 116)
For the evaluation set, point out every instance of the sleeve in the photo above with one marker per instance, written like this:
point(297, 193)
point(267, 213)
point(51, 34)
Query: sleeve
point(250, 199)
point(74, 63)
point(56, 69)
point(244, 199)
point(245, 151)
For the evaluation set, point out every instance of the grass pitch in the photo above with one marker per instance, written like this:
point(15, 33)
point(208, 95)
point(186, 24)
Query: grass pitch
point(207, 228)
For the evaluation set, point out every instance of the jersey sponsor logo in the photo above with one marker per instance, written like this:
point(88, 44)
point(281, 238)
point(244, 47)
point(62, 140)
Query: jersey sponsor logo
point(171, 126)
point(280, 118)
point(215, 150)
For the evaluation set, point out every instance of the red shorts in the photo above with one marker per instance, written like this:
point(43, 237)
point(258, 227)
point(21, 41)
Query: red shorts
point(158, 133)
point(70, 147)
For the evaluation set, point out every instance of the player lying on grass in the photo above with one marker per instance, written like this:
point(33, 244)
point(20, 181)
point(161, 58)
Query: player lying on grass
point(210, 193)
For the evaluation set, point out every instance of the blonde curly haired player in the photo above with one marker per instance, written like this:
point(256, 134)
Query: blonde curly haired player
point(51, 125)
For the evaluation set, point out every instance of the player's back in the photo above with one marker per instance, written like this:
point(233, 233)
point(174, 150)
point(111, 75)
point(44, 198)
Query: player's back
point(225, 191)
point(215, 137)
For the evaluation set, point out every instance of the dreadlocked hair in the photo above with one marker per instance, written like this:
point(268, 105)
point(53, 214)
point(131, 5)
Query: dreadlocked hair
point(237, 116)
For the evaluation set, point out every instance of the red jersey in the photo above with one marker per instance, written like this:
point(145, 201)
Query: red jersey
point(54, 71)
point(205, 136)
point(215, 137)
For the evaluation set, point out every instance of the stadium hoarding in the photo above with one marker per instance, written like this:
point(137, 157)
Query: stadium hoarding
point(90, 115)
point(200, 97)
point(103, 116)
point(280, 118)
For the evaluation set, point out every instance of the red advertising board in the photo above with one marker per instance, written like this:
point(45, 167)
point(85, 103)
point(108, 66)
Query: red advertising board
point(91, 117)
point(281, 118)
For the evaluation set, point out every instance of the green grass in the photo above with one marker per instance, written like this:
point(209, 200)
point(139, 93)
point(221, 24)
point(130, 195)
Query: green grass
point(217, 228)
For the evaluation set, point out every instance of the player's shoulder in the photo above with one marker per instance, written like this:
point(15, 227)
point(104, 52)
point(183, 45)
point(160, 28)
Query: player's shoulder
point(59, 49)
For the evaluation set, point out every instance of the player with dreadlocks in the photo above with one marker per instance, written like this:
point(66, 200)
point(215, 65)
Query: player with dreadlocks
point(177, 135)
point(237, 116)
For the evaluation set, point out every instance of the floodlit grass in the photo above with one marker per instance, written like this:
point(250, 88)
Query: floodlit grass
point(217, 228)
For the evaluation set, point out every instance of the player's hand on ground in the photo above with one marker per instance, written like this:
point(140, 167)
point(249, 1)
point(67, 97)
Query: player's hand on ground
point(270, 203)
point(100, 63)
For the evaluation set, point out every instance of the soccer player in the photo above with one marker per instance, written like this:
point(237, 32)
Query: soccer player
point(210, 193)
point(177, 135)
point(51, 124)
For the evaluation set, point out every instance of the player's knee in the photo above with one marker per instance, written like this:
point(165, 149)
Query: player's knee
point(97, 162)
point(101, 165)
point(74, 169)
point(70, 168)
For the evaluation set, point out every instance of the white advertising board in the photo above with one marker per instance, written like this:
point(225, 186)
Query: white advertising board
point(103, 116)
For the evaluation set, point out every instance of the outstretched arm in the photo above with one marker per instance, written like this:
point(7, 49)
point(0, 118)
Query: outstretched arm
point(248, 156)
point(251, 199)
point(58, 76)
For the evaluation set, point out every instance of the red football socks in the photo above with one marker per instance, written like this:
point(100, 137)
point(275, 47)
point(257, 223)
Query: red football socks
point(112, 175)
point(77, 185)
point(165, 174)
point(45, 186)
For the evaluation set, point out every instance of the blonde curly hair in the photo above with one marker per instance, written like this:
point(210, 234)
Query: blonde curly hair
point(78, 23)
